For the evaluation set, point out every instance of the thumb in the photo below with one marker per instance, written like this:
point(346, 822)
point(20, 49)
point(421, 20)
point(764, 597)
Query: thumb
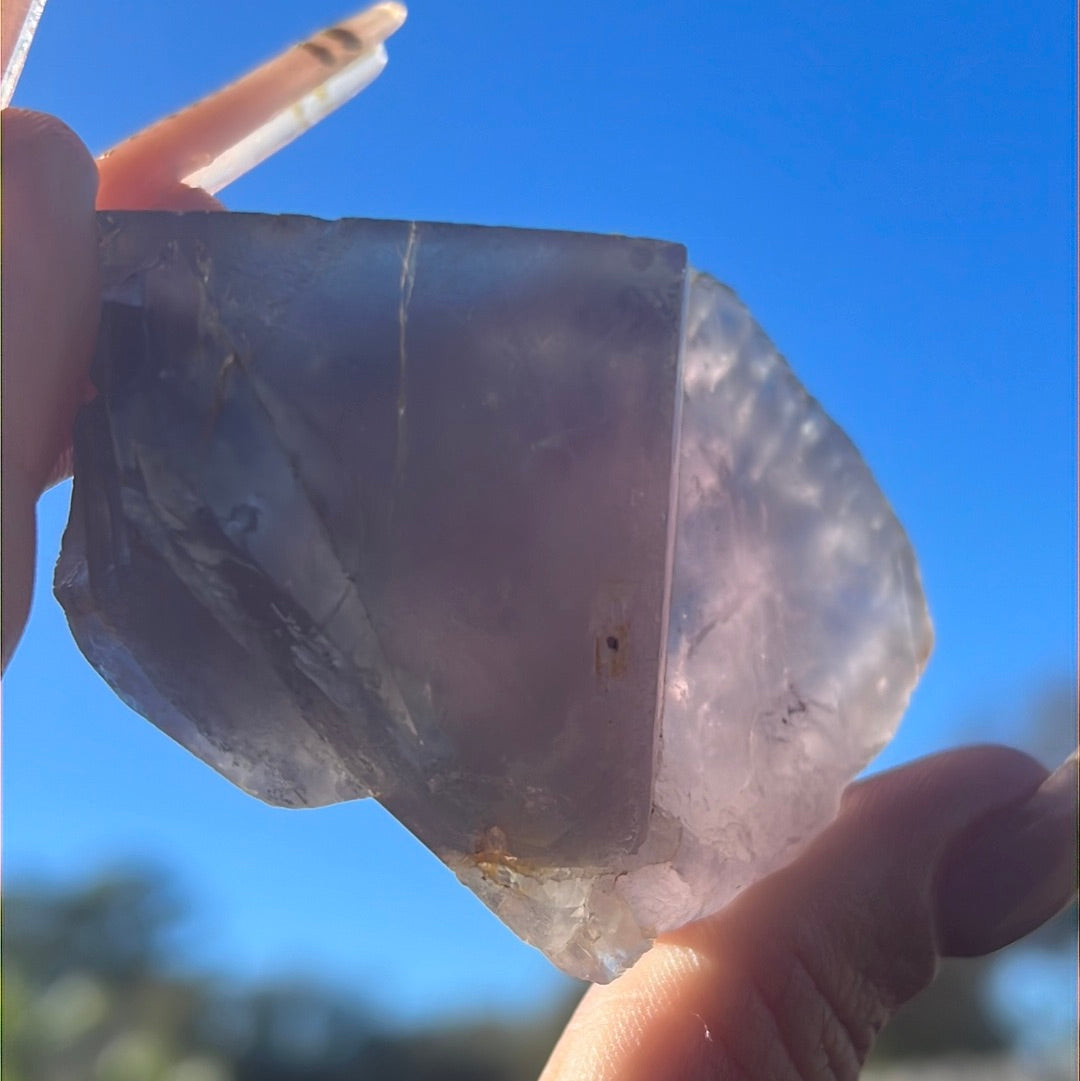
point(50, 289)
point(957, 853)
point(51, 299)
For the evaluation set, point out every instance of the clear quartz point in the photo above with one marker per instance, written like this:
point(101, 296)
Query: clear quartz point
point(532, 536)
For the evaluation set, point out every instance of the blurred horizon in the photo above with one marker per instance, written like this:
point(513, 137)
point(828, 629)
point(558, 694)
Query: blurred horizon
point(891, 191)
point(96, 984)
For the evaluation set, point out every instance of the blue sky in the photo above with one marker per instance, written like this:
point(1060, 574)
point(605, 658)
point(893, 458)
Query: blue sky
point(890, 189)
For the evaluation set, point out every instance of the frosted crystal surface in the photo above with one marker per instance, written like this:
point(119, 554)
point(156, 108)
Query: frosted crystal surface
point(797, 631)
point(534, 537)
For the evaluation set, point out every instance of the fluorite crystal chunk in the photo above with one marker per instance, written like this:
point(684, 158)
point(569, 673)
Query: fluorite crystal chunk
point(531, 536)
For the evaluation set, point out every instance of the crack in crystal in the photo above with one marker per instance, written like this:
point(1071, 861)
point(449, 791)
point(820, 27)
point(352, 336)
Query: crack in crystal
point(405, 290)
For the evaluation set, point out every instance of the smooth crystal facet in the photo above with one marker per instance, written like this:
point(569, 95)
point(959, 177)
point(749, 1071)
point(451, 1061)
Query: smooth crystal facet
point(532, 536)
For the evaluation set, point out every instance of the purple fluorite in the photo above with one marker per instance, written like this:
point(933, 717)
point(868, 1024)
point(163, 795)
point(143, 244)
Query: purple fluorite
point(532, 536)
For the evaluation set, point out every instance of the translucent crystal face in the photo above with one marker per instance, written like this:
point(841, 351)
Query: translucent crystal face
point(529, 535)
point(797, 631)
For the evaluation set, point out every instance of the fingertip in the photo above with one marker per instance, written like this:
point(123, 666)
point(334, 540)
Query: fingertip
point(182, 197)
point(1011, 870)
point(43, 150)
point(123, 190)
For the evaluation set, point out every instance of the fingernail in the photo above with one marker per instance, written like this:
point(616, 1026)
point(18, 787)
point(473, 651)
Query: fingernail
point(1011, 870)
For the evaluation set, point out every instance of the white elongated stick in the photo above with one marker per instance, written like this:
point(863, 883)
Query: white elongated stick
point(18, 22)
point(213, 142)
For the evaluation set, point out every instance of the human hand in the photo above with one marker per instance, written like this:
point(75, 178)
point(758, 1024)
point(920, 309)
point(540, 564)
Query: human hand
point(958, 854)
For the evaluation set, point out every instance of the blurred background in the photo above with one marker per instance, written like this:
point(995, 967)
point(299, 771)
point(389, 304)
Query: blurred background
point(890, 188)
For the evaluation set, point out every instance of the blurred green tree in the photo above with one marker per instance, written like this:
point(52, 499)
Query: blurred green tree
point(91, 993)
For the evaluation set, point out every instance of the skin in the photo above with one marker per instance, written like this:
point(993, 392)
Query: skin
point(956, 854)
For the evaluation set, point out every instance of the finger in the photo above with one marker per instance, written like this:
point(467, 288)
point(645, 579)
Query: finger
point(132, 192)
point(213, 142)
point(50, 287)
point(51, 294)
point(985, 902)
point(794, 979)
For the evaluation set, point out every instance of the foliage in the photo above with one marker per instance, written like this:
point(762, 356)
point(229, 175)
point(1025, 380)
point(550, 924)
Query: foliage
point(91, 993)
